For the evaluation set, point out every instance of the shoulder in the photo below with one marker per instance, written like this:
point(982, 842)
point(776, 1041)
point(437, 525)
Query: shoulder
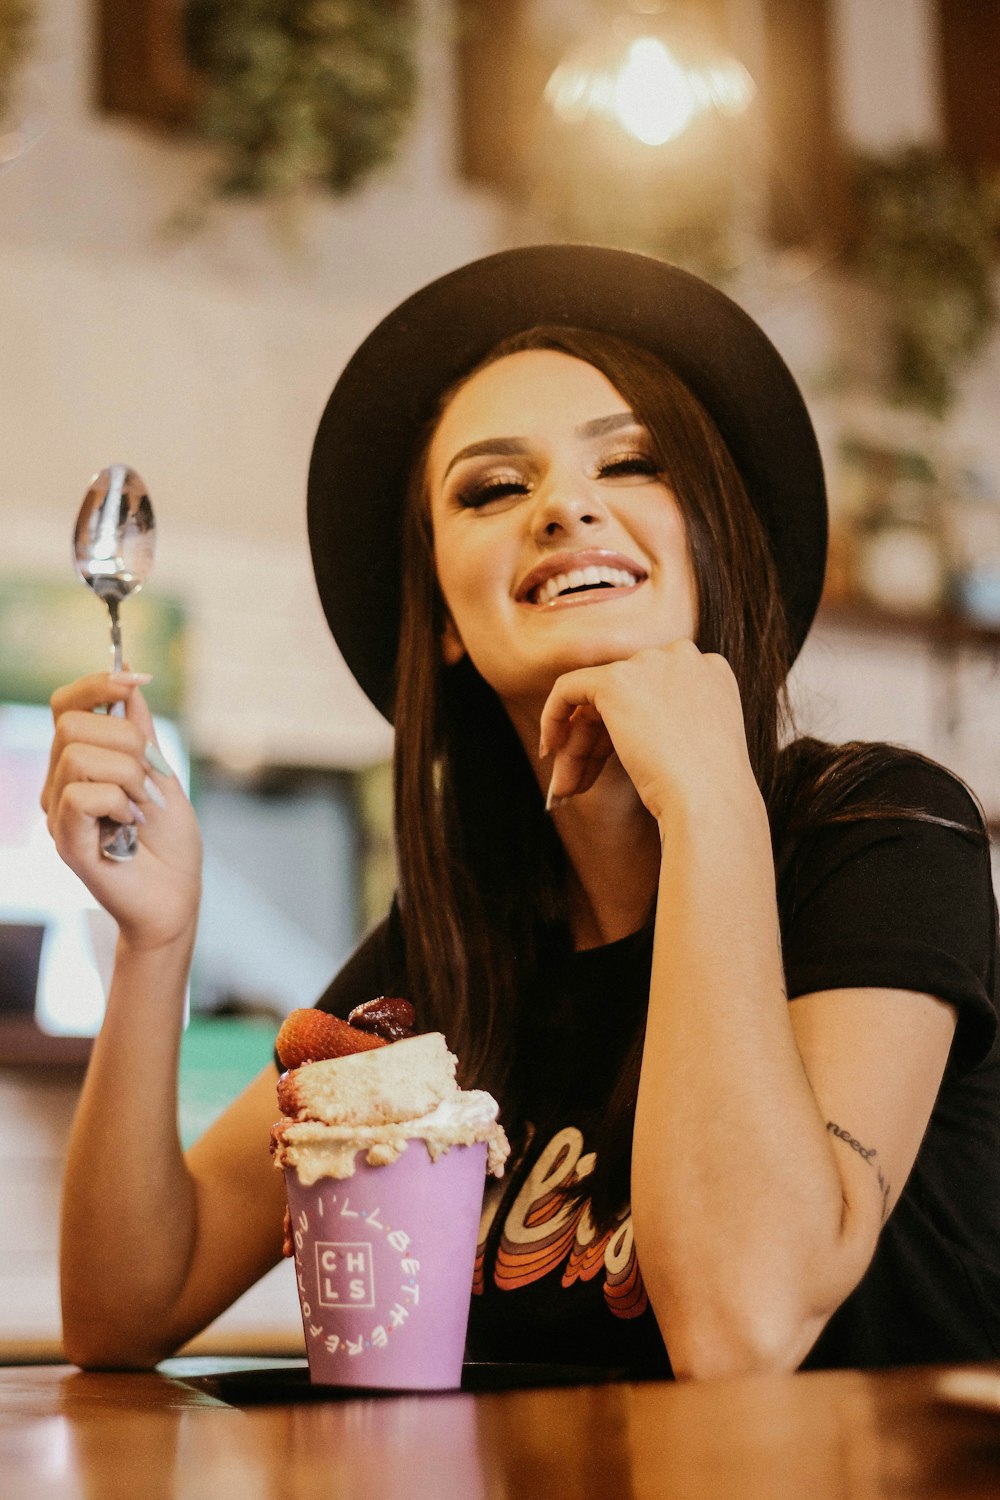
point(879, 826)
point(884, 882)
point(376, 967)
point(823, 784)
point(915, 784)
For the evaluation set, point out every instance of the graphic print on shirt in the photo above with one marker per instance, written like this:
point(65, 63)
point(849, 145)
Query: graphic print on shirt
point(548, 1225)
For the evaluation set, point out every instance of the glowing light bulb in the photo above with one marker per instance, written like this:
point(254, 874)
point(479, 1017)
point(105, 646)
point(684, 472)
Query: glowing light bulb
point(645, 89)
point(652, 97)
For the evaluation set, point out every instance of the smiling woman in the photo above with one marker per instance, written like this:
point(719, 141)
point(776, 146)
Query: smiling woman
point(735, 990)
point(519, 521)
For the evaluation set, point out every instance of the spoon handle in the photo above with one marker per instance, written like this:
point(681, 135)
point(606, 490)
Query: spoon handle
point(118, 840)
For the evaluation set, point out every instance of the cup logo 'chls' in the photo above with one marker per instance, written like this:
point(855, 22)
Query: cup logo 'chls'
point(342, 1275)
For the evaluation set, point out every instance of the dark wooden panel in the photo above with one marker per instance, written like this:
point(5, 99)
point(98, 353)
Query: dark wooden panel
point(969, 34)
point(501, 77)
point(142, 69)
point(807, 165)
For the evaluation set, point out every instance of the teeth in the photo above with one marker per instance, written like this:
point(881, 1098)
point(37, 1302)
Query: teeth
point(578, 578)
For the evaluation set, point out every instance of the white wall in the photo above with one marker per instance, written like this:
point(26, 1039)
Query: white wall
point(205, 363)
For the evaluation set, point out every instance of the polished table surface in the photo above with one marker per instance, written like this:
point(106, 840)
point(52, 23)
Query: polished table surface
point(178, 1431)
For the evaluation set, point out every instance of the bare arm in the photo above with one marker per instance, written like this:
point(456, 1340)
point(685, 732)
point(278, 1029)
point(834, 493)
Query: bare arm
point(153, 1247)
point(770, 1140)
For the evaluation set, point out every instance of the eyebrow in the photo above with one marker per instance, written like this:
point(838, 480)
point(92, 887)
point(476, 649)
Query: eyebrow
point(597, 427)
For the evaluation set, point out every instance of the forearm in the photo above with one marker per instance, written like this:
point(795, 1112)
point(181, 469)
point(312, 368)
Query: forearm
point(129, 1203)
point(737, 1202)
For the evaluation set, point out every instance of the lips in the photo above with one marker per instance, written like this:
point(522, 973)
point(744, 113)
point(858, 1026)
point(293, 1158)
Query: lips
point(577, 574)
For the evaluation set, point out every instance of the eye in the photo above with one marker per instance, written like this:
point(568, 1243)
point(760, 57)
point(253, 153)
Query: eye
point(491, 491)
point(633, 465)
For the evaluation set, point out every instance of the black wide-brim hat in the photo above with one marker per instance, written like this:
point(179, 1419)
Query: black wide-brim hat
point(389, 391)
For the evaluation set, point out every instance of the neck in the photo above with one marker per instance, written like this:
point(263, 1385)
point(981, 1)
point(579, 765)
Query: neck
point(612, 846)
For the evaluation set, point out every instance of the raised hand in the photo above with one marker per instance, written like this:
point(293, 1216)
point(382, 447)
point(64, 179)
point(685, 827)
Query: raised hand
point(102, 766)
point(673, 716)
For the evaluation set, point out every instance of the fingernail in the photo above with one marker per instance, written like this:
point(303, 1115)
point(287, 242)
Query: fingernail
point(551, 803)
point(138, 816)
point(543, 749)
point(154, 758)
point(154, 794)
point(137, 679)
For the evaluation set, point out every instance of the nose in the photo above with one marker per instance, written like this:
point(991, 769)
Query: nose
point(562, 506)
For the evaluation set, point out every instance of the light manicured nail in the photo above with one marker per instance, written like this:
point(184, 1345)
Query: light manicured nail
point(543, 749)
point(551, 803)
point(154, 758)
point(138, 815)
point(133, 679)
point(154, 794)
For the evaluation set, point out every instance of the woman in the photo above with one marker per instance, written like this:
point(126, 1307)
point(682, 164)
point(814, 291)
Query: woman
point(737, 996)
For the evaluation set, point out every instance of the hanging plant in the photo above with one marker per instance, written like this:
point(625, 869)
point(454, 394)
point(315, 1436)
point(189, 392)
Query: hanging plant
point(302, 93)
point(17, 27)
point(927, 239)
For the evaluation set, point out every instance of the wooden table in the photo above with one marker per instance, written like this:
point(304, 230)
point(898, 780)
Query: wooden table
point(167, 1434)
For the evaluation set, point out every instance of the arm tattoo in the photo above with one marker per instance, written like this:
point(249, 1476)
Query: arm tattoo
point(868, 1154)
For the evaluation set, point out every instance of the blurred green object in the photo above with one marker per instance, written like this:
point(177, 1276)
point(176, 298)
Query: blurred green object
point(926, 238)
point(18, 26)
point(53, 632)
point(302, 93)
point(219, 1057)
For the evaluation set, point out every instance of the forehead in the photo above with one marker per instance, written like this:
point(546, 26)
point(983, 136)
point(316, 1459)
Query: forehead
point(523, 395)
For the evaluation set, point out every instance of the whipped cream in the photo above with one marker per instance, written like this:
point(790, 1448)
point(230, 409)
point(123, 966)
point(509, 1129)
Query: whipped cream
point(463, 1119)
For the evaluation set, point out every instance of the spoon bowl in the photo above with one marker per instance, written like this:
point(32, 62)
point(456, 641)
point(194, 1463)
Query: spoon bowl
point(113, 545)
point(115, 534)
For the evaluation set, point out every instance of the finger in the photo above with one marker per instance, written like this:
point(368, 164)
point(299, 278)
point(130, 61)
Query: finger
point(97, 690)
point(584, 735)
point(581, 759)
point(571, 692)
point(83, 727)
point(138, 714)
point(570, 778)
point(75, 821)
point(94, 763)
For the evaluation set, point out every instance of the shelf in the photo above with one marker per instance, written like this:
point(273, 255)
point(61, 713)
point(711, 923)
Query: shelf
point(24, 1045)
point(945, 628)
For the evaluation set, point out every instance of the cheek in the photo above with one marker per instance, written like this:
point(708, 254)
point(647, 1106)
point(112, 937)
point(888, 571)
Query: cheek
point(463, 572)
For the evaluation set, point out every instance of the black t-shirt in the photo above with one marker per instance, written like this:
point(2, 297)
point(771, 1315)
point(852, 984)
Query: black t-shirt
point(898, 904)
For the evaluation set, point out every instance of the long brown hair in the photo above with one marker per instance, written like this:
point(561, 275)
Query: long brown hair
point(482, 876)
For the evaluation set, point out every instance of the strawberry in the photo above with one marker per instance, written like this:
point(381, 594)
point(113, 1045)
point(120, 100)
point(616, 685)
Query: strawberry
point(312, 1035)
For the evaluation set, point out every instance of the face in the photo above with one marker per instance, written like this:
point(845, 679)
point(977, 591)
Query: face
point(557, 542)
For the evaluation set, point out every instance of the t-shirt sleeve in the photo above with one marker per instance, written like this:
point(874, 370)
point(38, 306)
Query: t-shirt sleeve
point(899, 903)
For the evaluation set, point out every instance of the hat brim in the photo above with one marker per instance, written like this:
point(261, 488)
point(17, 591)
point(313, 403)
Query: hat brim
point(390, 388)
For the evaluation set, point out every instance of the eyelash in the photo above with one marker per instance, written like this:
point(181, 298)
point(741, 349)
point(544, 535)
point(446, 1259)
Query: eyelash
point(498, 487)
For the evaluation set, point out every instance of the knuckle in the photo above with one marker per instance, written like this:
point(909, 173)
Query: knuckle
point(74, 760)
point(70, 801)
point(136, 739)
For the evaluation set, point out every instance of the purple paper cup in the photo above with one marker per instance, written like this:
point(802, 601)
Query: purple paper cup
point(384, 1263)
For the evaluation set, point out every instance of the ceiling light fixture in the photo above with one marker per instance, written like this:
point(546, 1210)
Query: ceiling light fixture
point(651, 73)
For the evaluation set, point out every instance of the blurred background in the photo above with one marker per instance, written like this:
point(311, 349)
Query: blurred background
point(204, 206)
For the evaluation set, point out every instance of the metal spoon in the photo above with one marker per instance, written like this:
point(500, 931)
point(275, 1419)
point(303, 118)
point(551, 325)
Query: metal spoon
point(113, 552)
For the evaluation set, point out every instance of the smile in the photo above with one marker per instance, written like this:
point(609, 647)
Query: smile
point(581, 581)
point(580, 577)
